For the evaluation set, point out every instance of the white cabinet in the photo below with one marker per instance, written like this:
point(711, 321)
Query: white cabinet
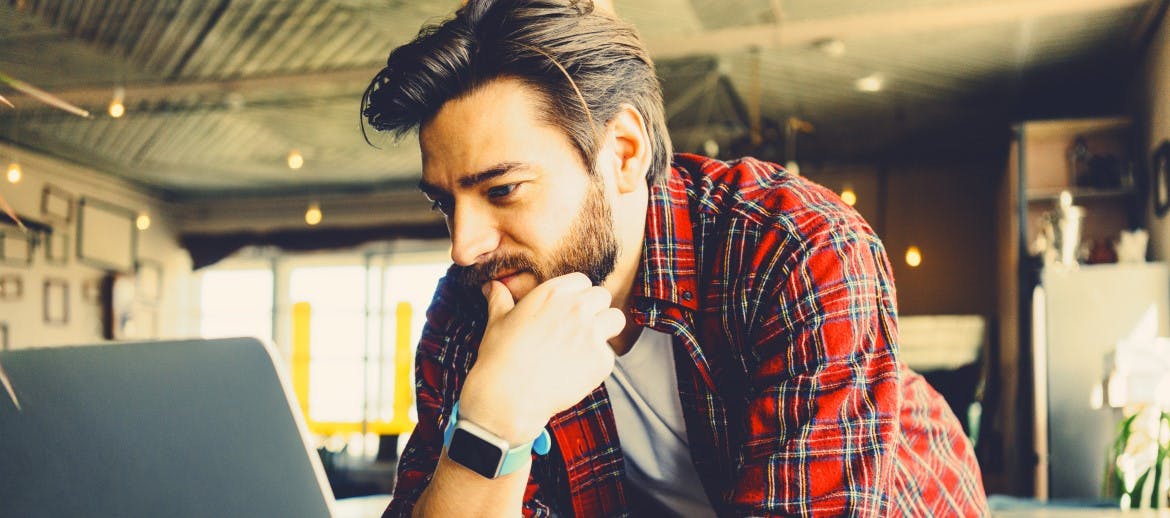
point(1079, 315)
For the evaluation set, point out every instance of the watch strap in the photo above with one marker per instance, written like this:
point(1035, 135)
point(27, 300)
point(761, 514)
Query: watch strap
point(513, 458)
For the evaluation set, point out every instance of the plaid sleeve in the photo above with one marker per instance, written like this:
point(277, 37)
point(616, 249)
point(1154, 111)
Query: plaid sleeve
point(443, 358)
point(823, 421)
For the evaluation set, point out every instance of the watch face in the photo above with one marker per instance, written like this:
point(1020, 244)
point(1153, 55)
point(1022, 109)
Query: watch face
point(474, 453)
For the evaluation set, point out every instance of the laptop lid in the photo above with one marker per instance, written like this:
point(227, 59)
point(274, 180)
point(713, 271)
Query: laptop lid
point(177, 428)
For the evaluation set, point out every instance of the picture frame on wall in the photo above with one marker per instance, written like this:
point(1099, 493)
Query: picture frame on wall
point(16, 247)
point(106, 236)
point(56, 302)
point(11, 288)
point(56, 203)
point(57, 248)
point(1160, 183)
point(91, 291)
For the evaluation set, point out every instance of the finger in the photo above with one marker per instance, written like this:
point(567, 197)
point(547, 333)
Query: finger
point(593, 300)
point(569, 283)
point(499, 300)
point(609, 323)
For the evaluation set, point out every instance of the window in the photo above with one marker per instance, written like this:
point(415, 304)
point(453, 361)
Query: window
point(336, 298)
point(236, 302)
point(408, 282)
point(354, 318)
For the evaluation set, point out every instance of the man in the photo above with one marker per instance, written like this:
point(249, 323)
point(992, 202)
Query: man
point(697, 338)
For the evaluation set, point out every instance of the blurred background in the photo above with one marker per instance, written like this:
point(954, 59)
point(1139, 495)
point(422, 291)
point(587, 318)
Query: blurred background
point(220, 186)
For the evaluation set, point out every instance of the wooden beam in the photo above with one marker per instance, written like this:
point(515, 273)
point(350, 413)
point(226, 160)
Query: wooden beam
point(1148, 25)
point(891, 23)
point(305, 86)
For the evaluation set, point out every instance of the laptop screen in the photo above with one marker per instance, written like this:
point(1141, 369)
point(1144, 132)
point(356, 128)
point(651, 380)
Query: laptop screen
point(180, 428)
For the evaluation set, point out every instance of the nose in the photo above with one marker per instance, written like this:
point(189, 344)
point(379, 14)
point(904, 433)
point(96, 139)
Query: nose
point(473, 234)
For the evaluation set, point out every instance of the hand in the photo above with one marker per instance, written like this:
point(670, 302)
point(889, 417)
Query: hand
point(539, 356)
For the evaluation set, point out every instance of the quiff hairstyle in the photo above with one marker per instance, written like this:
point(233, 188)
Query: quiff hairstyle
point(585, 64)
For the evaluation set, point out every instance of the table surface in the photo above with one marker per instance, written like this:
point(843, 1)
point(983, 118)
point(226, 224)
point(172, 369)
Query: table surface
point(1069, 512)
point(373, 506)
point(361, 507)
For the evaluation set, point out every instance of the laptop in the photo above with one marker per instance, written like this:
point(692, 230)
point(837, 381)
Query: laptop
point(172, 428)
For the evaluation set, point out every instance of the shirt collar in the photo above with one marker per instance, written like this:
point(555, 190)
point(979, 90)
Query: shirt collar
point(668, 270)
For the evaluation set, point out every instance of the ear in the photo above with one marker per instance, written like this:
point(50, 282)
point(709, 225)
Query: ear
point(631, 148)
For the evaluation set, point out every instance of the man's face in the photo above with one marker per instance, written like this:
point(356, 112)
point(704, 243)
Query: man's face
point(520, 205)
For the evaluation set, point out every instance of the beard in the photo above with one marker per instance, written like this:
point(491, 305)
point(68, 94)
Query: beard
point(590, 247)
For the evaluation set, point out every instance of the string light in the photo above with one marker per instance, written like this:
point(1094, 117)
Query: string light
point(913, 256)
point(295, 160)
point(14, 172)
point(143, 221)
point(792, 167)
point(711, 148)
point(870, 83)
point(117, 108)
point(313, 214)
point(848, 196)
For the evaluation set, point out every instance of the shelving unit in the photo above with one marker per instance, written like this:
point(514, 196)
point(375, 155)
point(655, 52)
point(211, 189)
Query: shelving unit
point(1042, 163)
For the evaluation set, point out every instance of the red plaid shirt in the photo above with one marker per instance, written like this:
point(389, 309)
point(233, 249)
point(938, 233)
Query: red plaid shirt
point(780, 299)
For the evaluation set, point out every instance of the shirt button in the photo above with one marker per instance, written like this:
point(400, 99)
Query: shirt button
point(687, 295)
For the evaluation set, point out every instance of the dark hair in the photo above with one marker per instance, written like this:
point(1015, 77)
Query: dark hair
point(585, 64)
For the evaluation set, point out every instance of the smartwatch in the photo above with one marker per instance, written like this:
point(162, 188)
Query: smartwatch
point(484, 452)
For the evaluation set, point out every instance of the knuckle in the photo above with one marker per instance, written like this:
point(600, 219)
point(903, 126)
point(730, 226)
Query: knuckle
point(602, 294)
point(575, 281)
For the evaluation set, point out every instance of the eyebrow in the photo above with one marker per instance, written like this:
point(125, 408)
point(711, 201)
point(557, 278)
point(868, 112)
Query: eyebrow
point(472, 179)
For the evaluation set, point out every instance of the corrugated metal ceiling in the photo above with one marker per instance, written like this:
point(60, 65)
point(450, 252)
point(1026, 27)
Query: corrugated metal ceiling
point(218, 92)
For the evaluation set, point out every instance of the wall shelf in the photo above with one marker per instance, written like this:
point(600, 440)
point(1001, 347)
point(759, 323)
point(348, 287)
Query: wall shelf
point(1078, 194)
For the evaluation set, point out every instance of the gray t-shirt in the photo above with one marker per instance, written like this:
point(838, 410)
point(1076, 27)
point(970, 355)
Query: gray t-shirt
point(643, 390)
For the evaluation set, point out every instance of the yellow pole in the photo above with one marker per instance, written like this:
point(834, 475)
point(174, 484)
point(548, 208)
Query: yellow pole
point(403, 391)
point(301, 315)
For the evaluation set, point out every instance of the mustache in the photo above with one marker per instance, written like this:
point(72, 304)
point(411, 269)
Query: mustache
point(476, 275)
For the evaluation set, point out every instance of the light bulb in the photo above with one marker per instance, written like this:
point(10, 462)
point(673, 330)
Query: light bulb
point(143, 221)
point(848, 196)
point(792, 167)
point(870, 83)
point(117, 109)
point(711, 148)
point(313, 215)
point(14, 173)
point(295, 159)
point(913, 256)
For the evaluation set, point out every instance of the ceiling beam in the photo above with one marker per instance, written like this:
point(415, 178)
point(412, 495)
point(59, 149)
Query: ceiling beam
point(897, 22)
point(1148, 25)
point(252, 89)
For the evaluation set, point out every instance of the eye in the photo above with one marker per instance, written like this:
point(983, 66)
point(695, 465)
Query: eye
point(502, 191)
